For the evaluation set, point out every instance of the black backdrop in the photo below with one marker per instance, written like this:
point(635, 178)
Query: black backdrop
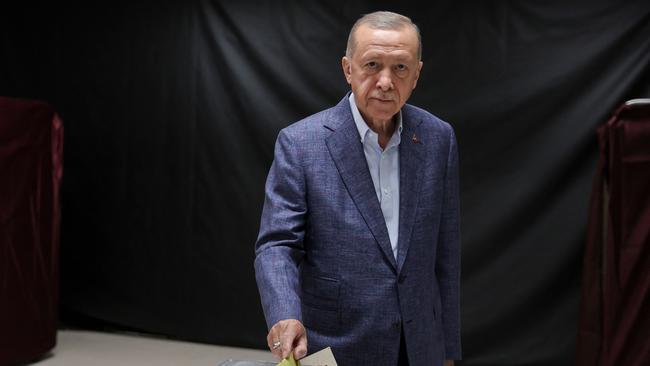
point(171, 110)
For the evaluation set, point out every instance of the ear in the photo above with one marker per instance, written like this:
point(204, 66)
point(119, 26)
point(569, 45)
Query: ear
point(417, 75)
point(347, 69)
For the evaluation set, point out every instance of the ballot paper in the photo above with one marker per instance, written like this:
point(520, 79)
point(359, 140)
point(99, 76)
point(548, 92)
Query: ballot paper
point(324, 357)
point(289, 361)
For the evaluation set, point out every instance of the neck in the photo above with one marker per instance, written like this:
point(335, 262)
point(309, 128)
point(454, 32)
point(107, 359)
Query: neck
point(384, 130)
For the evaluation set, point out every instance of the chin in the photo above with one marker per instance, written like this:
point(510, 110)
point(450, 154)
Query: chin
point(382, 115)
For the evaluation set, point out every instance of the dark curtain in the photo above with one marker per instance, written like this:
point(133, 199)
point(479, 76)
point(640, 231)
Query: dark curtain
point(172, 109)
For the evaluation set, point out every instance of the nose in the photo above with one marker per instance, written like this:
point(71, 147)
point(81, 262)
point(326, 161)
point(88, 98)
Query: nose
point(385, 82)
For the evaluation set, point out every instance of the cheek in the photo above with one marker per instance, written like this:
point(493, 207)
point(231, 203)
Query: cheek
point(406, 88)
point(364, 85)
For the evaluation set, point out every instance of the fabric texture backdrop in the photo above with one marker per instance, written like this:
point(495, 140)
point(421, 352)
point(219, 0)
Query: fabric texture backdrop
point(172, 109)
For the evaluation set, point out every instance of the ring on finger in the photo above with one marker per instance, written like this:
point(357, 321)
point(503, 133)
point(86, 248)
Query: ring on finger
point(276, 345)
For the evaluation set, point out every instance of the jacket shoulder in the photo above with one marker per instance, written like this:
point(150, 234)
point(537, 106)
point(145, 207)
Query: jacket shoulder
point(309, 128)
point(429, 120)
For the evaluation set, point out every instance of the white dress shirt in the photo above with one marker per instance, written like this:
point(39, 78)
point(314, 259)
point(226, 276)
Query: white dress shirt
point(384, 170)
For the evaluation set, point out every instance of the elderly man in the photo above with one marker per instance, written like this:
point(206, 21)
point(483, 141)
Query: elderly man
point(358, 246)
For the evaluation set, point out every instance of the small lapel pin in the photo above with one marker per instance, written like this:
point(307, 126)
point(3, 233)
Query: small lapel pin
point(415, 139)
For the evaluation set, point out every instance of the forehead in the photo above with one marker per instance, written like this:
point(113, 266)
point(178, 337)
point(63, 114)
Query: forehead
point(401, 41)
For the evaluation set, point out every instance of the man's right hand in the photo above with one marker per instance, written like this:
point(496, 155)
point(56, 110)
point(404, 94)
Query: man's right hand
point(288, 336)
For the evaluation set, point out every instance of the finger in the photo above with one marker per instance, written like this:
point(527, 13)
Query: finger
point(272, 336)
point(301, 347)
point(269, 338)
point(277, 352)
point(287, 340)
point(272, 340)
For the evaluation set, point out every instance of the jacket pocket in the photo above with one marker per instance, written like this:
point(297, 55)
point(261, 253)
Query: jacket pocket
point(321, 292)
point(320, 305)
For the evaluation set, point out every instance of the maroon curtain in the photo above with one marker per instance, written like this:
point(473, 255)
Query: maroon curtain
point(614, 324)
point(31, 152)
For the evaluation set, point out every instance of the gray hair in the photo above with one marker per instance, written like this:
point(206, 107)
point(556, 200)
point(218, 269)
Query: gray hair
point(385, 20)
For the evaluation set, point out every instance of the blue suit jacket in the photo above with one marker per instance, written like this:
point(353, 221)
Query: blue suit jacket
point(323, 254)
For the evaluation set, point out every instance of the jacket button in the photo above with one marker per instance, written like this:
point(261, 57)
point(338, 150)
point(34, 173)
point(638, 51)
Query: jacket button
point(396, 325)
point(401, 278)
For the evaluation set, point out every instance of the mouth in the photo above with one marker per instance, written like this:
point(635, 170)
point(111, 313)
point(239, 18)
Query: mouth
point(383, 100)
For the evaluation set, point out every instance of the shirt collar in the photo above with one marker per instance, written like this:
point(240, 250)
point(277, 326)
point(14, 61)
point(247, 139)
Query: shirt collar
point(361, 124)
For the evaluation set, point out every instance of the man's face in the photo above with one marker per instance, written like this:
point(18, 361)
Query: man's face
point(383, 71)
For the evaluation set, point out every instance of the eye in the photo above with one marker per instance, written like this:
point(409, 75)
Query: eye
point(400, 67)
point(372, 65)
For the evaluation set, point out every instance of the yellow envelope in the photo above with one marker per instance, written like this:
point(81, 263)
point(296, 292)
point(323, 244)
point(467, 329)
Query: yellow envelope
point(289, 361)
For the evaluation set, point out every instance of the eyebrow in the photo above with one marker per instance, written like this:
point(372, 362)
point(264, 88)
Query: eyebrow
point(375, 54)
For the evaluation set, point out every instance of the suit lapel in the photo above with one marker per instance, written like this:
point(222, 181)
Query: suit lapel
point(347, 152)
point(410, 178)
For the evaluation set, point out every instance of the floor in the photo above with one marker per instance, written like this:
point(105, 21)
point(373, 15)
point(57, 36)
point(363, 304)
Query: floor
point(85, 348)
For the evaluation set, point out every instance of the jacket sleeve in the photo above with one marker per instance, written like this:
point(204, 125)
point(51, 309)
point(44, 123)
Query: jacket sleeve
point(279, 247)
point(448, 256)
